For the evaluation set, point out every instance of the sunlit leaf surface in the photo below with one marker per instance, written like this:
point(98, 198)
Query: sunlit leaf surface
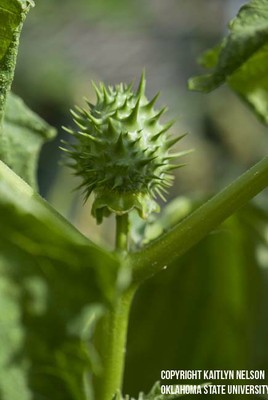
point(54, 285)
point(241, 59)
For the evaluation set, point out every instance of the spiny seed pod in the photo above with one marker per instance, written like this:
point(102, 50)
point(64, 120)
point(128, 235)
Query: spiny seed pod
point(122, 151)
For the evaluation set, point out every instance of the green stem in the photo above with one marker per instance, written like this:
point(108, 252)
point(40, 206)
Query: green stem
point(111, 333)
point(7, 69)
point(195, 227)
point(121, 241)
point(8, 62)
point(110, 342)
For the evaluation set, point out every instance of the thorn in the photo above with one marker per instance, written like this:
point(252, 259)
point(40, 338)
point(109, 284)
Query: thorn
point(93, 138)
point(145, 161)
point(118, 182)
point(165, 129)
point(88, 102)
point(65, 150)
point(88, 188)
point(102, 181)
point(168, 177)
point(68, 130)
point(75, 115)
point(65, 142)
point(134, 113)
point(134, 142)
point(155, 118)
point(79, 109)
point(111, 89)
point(160, 194)
point(119, 146)
point(142, 85)
point(106, 95)
point(162, 111)
point(124, 105)
point(156, 177)
point(152, 152)
point(95, 120)
point(169, 143)
point(85, 112)
point(97, 91)
point(178, 154)
point(111, 127)
point(82, 126)
point(161, 164)
point(129, 87)
point(151, 103)
point(163, 189)
point(171, 167)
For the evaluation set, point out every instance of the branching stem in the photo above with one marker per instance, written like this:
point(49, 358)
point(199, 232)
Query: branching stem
point(192, 229)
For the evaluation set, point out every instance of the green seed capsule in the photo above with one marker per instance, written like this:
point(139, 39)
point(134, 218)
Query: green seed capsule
point(122, 151)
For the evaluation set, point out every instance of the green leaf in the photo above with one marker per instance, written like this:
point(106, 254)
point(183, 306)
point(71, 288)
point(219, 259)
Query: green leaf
point(241, 59)
point(25, 132)
point(200, 312)
point(143, 232)
point(11, 342)
point(55, 285)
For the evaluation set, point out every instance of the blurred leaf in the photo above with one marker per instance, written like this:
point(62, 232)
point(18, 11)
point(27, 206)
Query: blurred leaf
point(55, 284)
point(105, 10)
point(11, 341)
point(143, 232)
point(241, 59)
point(201, 313)
point(26, 132)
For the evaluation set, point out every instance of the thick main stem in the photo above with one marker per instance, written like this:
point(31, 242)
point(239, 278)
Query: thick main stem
point(111, 337)
point(111, 333)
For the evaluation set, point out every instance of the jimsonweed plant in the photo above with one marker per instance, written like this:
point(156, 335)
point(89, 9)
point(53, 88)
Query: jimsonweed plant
point(65, 301)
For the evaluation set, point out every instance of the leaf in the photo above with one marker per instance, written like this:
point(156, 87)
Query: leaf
point(143, 232)
point(241, 59)
point(25, 132)
point(55, 285)
point(201, 312)
point(11, 341)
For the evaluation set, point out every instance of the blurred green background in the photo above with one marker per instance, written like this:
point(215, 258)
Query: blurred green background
point(210, 311)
